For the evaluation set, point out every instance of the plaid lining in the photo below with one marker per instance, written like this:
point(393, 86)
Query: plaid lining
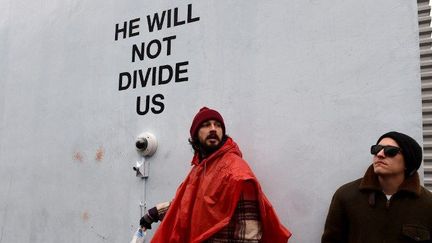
point(157, 213)
point(244, 226)
point(162, 208)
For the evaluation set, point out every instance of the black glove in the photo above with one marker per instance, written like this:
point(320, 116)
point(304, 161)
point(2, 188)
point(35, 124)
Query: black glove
point(146, 222)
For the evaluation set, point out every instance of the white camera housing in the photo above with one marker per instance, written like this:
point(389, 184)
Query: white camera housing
point(146, 144)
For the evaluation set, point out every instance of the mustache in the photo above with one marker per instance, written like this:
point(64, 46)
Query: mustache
point(213, 136)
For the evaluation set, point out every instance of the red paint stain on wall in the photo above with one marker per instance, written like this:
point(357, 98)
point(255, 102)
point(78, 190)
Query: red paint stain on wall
point(100, 154)
point(78, 156)
point(85, 216)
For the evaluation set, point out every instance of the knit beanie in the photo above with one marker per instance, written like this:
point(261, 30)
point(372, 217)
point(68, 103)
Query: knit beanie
point(205, 114)
point(410, 149)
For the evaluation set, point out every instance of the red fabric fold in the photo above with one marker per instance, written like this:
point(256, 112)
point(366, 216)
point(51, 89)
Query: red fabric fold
point(207, 198)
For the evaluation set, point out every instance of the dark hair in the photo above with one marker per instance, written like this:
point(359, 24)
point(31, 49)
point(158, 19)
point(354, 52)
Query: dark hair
point(194, 142)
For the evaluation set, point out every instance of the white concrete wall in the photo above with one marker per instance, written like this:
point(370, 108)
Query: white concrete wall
point(305, 88)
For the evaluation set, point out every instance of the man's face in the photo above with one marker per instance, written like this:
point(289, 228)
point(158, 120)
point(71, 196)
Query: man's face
point(387, 165)
point(210, 134)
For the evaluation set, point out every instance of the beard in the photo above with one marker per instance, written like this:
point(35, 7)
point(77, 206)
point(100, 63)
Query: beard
point(209, 147)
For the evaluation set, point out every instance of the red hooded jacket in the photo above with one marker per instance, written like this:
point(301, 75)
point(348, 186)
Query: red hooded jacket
point(207, 198)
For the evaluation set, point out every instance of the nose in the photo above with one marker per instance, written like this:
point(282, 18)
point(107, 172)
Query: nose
point(381, 154)
point(212, 127)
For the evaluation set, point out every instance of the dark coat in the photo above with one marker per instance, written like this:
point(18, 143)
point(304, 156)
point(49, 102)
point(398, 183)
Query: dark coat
point(360, 213)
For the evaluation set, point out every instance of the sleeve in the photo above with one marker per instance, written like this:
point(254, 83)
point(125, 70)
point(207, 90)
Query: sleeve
point(154, 214)
point(336, 225)
point(160, 210)
point(248, 215)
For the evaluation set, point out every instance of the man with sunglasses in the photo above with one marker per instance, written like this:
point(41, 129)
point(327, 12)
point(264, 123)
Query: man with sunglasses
point(388, 204)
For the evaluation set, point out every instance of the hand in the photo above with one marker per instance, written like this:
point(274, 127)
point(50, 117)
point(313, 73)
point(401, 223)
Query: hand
point(144, 222)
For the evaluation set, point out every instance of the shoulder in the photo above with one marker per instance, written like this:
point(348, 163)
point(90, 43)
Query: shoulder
point(348, 190)
point(426, 195)
point(233, 159)
point(234, 165)
point(350, 186)
point(422, 205)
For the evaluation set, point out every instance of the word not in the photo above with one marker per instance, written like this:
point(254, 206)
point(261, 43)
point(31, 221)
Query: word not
point(143, 51)
point(156, 75)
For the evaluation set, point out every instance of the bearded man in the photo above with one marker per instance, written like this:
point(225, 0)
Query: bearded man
point(220, 200)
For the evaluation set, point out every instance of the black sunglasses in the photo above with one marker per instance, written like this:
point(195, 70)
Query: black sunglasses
point(389, 151)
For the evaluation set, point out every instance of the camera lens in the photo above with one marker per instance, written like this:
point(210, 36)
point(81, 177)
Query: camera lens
point(141, 144)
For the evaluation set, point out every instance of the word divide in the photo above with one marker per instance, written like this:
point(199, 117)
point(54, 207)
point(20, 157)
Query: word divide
point(153, 76)
point(165, 19)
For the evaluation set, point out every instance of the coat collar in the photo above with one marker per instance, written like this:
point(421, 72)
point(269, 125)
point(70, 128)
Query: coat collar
point(370, 182)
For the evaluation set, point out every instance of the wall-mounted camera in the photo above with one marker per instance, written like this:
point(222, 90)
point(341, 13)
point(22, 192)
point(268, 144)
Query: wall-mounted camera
point(146, 144)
